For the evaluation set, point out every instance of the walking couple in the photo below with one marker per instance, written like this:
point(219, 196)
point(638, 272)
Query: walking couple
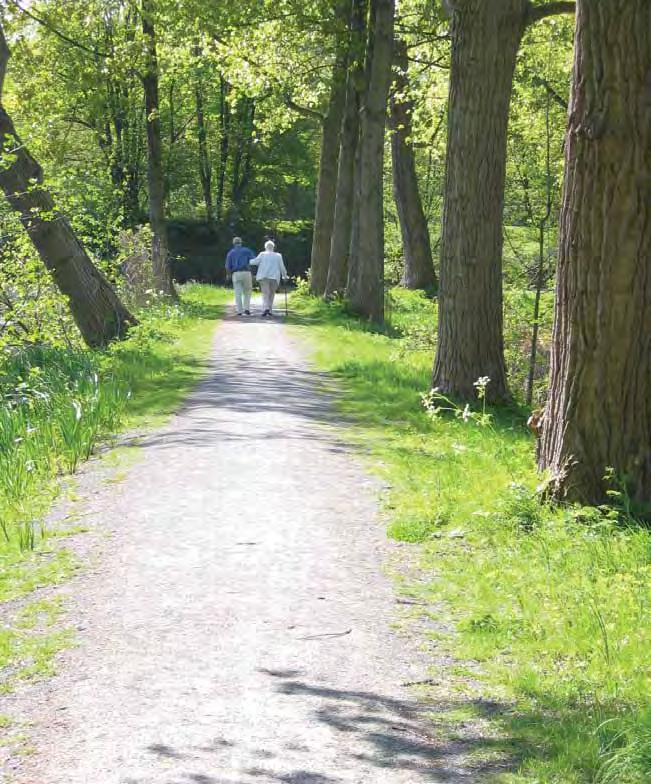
point(270, 270)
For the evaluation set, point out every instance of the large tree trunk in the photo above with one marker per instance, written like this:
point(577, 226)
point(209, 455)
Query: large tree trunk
point(343, 215)
point(366, 272)
point(324, 215)
point(419, 267)
point(599, 411)
point(95, 306)
point(161, 262)
point(486, 35)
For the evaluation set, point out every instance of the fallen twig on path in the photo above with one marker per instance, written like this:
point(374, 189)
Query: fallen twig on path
point(327, 634)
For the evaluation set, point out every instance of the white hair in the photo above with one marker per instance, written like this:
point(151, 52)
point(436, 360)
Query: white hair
point(269, 245)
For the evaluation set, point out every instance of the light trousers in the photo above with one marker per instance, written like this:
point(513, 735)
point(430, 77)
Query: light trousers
point(242, 286)
point(269, 288)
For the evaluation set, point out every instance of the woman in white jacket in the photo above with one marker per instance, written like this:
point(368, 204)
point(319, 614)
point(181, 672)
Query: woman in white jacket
point(271, 268)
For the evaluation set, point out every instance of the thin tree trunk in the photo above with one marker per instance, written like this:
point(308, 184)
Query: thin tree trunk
point(225, 129)
point(344, 195)
point(598, 415)
point(419, 266)
point(127, 113)
point(172, 139)
point(95, 306)
point(122, 169)
point(242, 158)
point(205, 166)
point(540, 273)
point(161, 262)
point(540, 282)
point(328, 165)
point(128, 133)
point(366, 273)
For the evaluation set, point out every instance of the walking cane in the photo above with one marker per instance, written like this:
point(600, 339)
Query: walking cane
point(285, 287)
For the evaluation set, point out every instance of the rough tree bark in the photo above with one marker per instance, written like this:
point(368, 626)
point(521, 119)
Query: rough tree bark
point(598, 414)
point(161, 263)
point(365, 291)
point(341, 230)
point(486, 36)
point(419, 266)
point(95, 306)
point(324, 215)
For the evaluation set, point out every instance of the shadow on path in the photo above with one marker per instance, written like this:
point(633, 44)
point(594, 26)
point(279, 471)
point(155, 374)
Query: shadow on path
point(383, 733)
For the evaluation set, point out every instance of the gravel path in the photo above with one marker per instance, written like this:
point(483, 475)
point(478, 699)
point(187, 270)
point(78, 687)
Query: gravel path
point(240, 629)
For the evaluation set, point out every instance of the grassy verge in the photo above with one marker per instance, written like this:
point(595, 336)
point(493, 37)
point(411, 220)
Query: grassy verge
point(58, 406)
point(551, 607)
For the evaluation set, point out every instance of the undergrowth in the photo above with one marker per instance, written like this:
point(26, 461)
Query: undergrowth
point(550, 605)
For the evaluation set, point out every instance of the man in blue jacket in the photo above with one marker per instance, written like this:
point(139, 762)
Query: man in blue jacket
point(237, 266)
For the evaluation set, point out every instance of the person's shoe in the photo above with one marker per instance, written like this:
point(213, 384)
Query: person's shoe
point(238, 314)
point(247, 312)
point(265, 313)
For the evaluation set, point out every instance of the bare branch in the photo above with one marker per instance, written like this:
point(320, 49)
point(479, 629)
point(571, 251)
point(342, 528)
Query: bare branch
point(441, 63)
point(306, 111)
point(538, 81)
point(538, 12)
point(79, 121)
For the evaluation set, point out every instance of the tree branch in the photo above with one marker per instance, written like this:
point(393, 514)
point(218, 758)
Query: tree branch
point(538, 12)
point(538, 81)
point(440, 63)
point(78, 121)
point(306, 111)
point(57, 32)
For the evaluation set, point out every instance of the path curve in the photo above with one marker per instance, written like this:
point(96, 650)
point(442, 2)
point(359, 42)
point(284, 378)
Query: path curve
point(240, 628)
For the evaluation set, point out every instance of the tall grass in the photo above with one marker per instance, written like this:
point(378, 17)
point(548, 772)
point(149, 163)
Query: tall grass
point(552, 606)
point(58, 404)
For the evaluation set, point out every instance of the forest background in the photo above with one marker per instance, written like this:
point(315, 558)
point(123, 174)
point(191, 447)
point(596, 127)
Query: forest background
point(243, 96)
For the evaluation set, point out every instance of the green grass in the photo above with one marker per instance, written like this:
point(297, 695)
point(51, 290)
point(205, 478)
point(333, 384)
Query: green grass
point(550, 608)
point(59, 406)
point(168, 355)
point(29, 645)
